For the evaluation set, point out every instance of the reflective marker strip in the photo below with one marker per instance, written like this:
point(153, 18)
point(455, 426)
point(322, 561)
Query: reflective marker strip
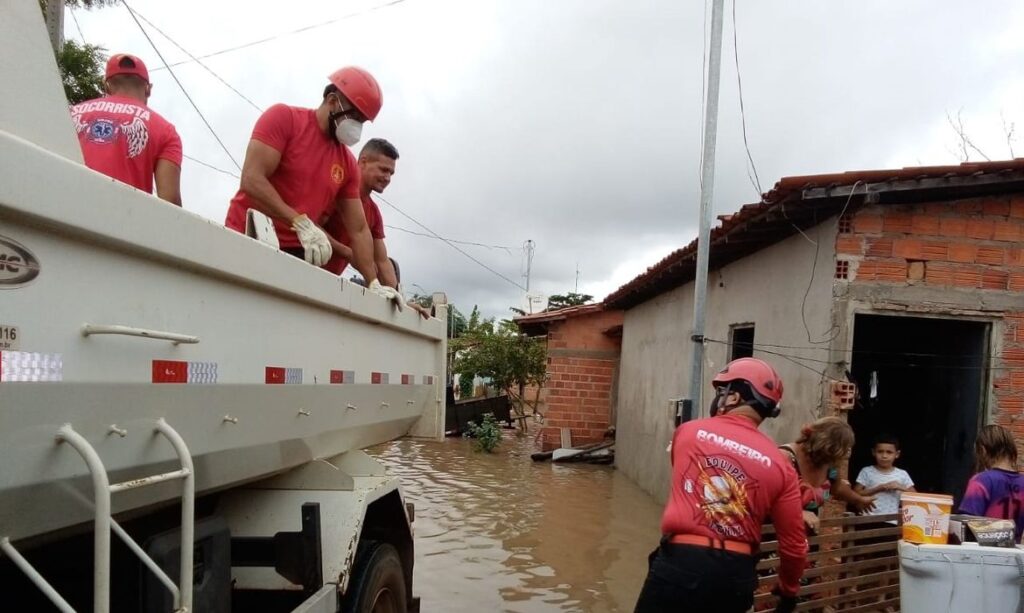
point(343, 376)
point(29, 366)
point(174, 371)
point(408, 379)
point(277, 375)
point(428, 379)
point(379, 378)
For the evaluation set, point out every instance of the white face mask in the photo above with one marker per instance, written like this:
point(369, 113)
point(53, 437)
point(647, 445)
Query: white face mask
point(348, 131)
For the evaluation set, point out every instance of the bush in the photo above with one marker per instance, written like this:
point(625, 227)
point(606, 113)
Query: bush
point(487, 434)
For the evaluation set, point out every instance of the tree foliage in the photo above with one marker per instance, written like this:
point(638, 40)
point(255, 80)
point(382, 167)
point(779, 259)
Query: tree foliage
point(487, 433)
point(560, 301)
point(81, 69)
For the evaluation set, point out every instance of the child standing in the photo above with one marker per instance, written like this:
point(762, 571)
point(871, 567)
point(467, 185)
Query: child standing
point(883, 480)
point(997, 491)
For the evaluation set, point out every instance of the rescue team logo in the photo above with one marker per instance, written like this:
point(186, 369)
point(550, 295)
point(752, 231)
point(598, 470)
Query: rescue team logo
point(18, 266)
point(104, 132)
point(101, 132)
point(337, 174)
point(720, 489)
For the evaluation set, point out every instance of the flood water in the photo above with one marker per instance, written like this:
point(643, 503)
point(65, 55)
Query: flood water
point(499, 532)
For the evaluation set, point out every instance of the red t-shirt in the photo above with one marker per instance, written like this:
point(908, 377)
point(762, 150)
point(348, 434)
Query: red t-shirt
point(336, 228)
point(314, 170)
point(123, 138)
point(727, 479)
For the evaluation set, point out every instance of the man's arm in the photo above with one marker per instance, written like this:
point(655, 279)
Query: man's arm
point(261, 160)
point(385, 269)
point(789, 529)
point(340, 248)
point(351, 211)
point(167, 176)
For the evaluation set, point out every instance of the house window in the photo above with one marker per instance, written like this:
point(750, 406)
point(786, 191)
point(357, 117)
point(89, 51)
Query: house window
point(741, 341)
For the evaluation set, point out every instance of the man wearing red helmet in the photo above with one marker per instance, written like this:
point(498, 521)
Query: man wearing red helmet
point(727, 479)
point(299, 171)
point(125, 139)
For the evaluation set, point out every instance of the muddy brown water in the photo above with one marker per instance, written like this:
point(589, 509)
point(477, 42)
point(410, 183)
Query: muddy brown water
point(499, 532)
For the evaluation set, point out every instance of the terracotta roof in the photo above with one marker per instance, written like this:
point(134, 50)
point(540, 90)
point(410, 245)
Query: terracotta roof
point(805, 201)
point(559, 314)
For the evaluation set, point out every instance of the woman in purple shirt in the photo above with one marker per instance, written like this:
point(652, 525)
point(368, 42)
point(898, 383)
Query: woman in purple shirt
point(998, 490)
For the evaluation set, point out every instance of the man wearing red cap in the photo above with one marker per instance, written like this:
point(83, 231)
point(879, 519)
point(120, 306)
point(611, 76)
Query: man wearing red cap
point(299, 171)
point(125, 139)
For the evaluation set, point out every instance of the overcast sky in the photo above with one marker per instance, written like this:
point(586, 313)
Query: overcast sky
point(576, 123)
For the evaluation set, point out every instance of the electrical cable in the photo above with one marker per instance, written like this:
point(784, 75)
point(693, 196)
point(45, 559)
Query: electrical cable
point(198, 61)
point(211, 166)
point(284, 34)
point(77, 25)
point(451, 244)
point(470, 243)
point(183, 90)
point(755, 180)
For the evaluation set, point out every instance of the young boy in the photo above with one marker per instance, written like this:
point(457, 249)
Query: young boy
point(884, 480)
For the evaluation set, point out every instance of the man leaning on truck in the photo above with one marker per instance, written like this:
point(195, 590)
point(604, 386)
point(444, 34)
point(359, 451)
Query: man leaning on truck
point(299, 170)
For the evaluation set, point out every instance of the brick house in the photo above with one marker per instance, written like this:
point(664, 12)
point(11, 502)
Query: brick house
point(583, 356)
point(904, 285)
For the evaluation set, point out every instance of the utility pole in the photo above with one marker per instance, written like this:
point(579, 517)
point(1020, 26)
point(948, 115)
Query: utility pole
point(54, 16)
point(529, 262)
point(577, 290)
point(707, 190)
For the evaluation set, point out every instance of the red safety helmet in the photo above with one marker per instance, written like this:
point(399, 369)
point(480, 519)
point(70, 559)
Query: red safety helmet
point(360, 88)
point(764, 382)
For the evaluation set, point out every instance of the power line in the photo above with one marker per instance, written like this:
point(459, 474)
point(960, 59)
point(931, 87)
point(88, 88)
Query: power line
point(211, 166)
point(198, 61)
point(290, 33)
point(415, 233)
point(77, 25)
point(450, 243)
point(743, 115)
point(183, 90)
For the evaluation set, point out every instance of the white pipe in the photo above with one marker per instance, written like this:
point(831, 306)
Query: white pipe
point(174, 337)
point(188, 503)
point(143, 482)
point(148, 561)
point(101, 523)
point(34, 576)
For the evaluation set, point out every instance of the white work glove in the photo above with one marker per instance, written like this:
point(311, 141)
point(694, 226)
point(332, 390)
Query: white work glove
point(388, 292)
point(314, 241)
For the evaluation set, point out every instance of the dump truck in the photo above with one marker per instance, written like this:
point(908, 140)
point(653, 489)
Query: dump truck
point(183, 407)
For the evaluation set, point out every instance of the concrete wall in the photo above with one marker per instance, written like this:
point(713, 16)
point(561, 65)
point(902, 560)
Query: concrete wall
point(766, 289)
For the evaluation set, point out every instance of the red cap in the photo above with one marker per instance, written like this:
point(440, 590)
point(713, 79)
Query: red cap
point(122, 63)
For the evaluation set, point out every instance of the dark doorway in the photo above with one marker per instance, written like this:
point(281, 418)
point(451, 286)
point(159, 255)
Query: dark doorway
point(741, 341)
point(921, 379)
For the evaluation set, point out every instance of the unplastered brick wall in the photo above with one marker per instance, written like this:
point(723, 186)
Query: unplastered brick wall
point(583, 360)
point(975, 244)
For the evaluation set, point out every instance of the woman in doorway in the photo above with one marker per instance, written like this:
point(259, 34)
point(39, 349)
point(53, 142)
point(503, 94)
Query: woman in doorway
point(816, 455)
point(997, 490)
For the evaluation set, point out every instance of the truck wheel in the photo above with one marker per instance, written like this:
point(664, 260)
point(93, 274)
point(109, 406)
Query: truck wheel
point(377, 584)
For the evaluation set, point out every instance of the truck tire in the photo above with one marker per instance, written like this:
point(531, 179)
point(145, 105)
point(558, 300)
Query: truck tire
point(378, 583)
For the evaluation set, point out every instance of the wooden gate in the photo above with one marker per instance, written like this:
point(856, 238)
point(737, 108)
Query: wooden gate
point(853, 567)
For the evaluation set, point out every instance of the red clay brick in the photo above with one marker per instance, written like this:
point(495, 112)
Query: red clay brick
point(964, 276)
point(891, 271)
point(1017, 207)
point(938, 273)
point(934, 250)
point(897, 222)
point(879, 248)
point(1015, 257)
point(1008, 231)
point(968, 207)
point(963, 252)
point(927, 225)
point(867, 224)
point(995, 207)
point(982, 229)
point(849, 245)
point(909, 248)
point(994, 279)
point(1015, 282)
point(953, 226)
point(991, 255)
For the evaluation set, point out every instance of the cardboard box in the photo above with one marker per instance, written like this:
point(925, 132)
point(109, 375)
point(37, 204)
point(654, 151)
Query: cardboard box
point(984, 531)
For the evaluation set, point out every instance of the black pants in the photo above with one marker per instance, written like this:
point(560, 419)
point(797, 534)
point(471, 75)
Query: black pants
point(691, 579)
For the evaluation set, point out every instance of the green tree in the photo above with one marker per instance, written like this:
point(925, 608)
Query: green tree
point(498, 352)
point(81, 69)
point(560, 301)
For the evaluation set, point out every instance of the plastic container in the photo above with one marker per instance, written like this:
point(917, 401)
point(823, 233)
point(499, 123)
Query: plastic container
point(960, 578)
point(925, 517)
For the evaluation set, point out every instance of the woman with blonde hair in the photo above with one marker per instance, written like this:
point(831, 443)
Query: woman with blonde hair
point(822, 445)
